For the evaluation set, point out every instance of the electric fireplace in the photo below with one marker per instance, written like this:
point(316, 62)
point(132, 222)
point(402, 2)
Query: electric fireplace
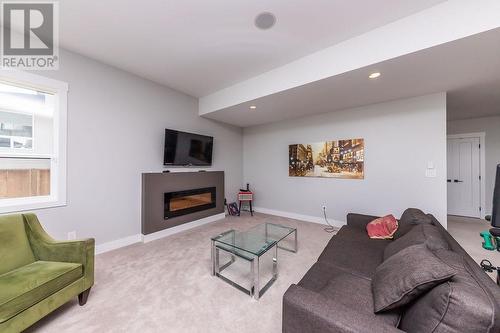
point(189, 201)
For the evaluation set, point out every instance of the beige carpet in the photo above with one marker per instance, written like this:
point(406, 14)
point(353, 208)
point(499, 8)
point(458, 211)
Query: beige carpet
point(166, 286)
point(466, 231)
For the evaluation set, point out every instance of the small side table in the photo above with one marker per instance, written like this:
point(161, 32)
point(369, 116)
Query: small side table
point(245, 196)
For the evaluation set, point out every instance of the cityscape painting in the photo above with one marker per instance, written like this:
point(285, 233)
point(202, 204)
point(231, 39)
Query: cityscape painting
point(329, 159)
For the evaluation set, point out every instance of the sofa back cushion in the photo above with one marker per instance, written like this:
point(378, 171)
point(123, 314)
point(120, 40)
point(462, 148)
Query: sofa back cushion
point(15, 250)
point(419, 234)
point(410, 218)
point(458, 305)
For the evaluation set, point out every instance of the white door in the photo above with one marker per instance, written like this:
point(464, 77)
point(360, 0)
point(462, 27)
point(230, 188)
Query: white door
point(464, 185)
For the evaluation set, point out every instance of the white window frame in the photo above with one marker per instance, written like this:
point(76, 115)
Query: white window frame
point(57, 195)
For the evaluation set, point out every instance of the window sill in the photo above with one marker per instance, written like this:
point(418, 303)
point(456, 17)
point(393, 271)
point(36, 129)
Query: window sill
point(15, 205)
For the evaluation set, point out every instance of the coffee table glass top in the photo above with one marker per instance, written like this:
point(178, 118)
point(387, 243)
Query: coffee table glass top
point(256, 240)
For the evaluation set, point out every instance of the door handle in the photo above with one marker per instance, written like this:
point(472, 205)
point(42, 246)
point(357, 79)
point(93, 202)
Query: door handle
point(448, 180)
point(458, 181)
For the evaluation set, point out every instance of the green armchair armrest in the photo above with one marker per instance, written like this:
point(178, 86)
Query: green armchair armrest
point(46, 248)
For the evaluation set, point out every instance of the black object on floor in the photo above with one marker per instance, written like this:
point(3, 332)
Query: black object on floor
point(487, 266)
point(495, 213)
point(232, 209)
point(494, 218)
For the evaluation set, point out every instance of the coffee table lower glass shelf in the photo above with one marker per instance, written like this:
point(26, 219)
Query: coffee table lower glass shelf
point(251, 245)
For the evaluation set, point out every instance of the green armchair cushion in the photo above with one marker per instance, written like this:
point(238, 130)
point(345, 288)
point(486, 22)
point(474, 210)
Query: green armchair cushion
point(15, 250)
point(27, 285)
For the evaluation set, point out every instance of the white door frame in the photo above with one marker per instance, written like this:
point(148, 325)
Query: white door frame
point(482, 164)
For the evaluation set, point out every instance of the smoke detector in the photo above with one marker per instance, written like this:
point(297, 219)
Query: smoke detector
point(265, 21)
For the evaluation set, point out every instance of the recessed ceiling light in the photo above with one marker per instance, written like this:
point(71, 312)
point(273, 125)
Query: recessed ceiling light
point(253, 107)
point(374, 75)
point(265, 20)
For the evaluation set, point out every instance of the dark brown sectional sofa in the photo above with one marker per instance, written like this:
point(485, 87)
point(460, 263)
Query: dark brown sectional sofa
point(336, 294)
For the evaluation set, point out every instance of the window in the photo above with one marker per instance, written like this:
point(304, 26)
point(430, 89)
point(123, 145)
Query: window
point(32, 142)
point(16, 129)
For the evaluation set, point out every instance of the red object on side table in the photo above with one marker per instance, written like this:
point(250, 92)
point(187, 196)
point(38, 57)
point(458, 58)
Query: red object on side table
point(245, 196)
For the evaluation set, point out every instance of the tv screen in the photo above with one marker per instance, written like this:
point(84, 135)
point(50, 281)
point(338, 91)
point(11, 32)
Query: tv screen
point(185, 149)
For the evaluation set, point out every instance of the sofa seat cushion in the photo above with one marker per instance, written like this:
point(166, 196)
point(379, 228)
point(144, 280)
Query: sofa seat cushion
point(27, 285)
point(320, 274)
point(459, 305)
point(419, 234)
point(351, 249)
point(355, 293)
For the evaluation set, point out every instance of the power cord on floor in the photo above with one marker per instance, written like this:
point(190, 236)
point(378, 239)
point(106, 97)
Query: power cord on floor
point(330, 227)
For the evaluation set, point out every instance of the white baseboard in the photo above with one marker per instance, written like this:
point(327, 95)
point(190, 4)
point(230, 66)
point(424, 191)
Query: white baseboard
point(126, 241)
point(122, 242)
point(182, 227)
point(295, 216)
point(116, 244)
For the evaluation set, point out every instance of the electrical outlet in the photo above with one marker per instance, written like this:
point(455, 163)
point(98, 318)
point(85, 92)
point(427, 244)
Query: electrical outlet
point(71, 235)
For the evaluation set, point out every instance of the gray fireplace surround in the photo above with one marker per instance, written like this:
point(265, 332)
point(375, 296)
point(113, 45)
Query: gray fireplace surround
point(158, 188)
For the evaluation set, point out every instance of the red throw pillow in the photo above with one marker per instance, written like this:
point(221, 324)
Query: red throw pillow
point(383, 227)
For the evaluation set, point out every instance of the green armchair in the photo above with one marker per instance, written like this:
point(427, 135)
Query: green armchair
point(37, 273)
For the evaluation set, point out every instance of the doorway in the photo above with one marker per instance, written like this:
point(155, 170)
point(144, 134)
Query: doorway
point(465, 161)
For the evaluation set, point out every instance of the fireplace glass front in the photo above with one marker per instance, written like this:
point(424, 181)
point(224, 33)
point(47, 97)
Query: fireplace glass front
point(189, 201)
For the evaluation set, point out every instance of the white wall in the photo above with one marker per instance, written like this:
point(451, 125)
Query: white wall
point(400, 138)
point(116, 124)
point(491, 126)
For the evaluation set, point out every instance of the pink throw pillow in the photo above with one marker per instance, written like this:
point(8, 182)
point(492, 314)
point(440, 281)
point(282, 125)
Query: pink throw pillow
point(383, 227)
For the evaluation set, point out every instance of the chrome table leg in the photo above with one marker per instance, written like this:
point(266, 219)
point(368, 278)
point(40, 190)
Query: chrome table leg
point(212, 257)
point(252, 282)
point(217, 260)
point(296, 245)
point(275, 263)
point(257, 279)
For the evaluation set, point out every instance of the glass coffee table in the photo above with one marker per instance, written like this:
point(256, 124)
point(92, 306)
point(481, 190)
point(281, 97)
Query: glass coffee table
point(250, 245)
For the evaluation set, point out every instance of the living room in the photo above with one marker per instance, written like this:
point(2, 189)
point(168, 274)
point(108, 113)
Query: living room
point(300, 125)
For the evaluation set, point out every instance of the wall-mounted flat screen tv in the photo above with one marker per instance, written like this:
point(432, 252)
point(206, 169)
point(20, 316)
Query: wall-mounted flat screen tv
point(187, 149)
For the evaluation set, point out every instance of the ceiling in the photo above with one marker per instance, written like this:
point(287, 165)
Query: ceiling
point(199, 46)
point(472, 101)
point(468, 69)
